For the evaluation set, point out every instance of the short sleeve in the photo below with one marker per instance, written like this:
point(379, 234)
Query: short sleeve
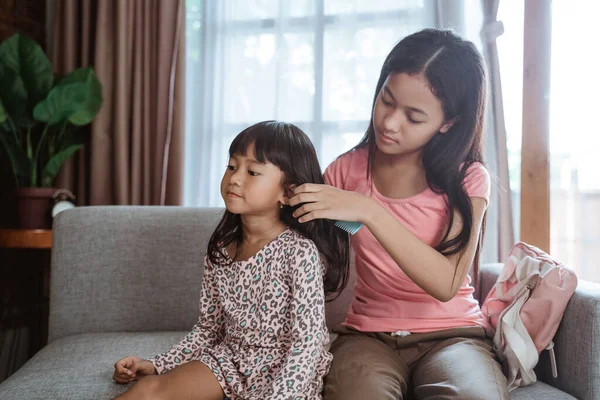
point(334, 174)
point(348, 170)
point(477, 182)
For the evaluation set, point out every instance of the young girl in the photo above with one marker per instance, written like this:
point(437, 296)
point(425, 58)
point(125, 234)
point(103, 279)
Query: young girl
point(261, 332)
point(418, 183)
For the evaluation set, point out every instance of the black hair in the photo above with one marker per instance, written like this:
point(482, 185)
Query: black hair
point(457, 76)
point(290, 149)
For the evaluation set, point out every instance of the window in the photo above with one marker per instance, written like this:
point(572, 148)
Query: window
point(311, 62)
point(574, 134)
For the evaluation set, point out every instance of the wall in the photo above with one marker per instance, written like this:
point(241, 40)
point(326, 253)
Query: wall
point(24, 16)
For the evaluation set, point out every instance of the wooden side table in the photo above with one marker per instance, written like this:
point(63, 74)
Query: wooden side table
point(24, 290)
point(25, 239)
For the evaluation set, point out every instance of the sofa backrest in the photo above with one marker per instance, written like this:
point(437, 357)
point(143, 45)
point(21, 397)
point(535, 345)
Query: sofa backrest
point(134, 269)
point(127, 268)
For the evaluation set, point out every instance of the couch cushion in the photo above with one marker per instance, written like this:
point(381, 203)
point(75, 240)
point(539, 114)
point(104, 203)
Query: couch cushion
point(539, 391)
point(81, 367)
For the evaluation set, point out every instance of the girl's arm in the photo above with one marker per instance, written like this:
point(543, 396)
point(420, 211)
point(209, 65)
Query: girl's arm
point(307, 310)
point(205, 333)
point(436, 274)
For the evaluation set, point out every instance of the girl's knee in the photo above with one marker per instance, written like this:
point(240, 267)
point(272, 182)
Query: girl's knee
point(349, 385)
point(365, 374)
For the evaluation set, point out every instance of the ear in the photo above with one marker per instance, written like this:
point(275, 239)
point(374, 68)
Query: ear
point(448, 125)
point(288, 191)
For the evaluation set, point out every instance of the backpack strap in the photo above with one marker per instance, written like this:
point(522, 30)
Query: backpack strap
point(550, 349)
point(519, 350)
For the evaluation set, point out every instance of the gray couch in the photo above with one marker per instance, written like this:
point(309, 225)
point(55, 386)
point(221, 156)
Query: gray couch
point(125, 280)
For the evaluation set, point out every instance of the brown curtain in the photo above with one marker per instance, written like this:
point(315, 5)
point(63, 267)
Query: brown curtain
point(135, 155)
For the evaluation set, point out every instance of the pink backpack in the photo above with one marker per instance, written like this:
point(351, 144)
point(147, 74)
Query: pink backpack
point(525, 308)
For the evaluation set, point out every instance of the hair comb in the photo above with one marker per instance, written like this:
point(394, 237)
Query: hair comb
point(348, 226)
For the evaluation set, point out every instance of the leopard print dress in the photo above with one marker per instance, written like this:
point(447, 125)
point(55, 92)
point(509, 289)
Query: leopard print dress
point(262, 324)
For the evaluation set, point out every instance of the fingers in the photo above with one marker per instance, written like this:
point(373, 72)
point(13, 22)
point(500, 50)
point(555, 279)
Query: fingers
point(307, 208)
point(304, 198)
point(142, 367)
point(319, 214)
point(125, 370)
point(123, 366)
point(308, 188)
point(120, 367)
point(122, 379)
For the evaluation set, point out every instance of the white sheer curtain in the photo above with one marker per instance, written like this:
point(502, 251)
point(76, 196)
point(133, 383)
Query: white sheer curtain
point(311, 62)
point(500, 234)
point(574, 135)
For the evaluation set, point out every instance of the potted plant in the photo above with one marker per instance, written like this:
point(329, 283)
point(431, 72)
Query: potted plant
point(41, 116)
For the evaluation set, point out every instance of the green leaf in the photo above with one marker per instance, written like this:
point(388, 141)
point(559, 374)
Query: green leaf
point(27, 59)
point(77, 98)
point(56, 162)
point(21, 165)
point(3, 114)
point(72, 141)
point(62, 102)
point(13, 94)
point(89, 108)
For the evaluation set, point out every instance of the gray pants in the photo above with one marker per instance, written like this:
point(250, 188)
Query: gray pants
point(450, 364)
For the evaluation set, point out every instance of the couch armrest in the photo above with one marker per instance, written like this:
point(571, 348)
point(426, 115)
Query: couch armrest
point(488, 274)
point(577, 341)
point(577, 346)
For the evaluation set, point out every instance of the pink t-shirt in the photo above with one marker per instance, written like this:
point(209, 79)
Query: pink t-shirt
point(385, 299)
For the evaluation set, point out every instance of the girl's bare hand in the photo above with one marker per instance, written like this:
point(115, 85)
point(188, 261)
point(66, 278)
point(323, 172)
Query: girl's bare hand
point(324, 201)
point(132, 368)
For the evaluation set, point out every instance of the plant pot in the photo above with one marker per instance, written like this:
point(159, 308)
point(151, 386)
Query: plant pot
point(33, 207)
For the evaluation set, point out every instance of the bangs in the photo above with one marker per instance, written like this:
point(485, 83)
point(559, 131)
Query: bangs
point(267, 137)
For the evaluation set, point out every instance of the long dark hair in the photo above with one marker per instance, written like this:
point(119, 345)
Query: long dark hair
point(287, 147)
point(457, 76)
